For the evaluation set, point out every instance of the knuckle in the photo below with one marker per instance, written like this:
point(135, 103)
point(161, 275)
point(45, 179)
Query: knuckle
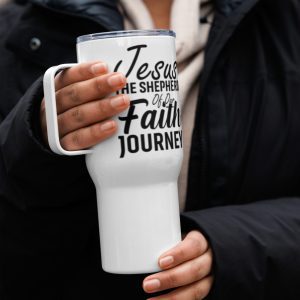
point(77, 115)
point(64, 143)
point(95, 132)
point(197, 244)
point(61, 123)
point(172, 279)
point(76, 139)
point(180, 253)
point(103, 108)
point(81, 70)
point(72, 94)
point(98, 84)
point(59, 101)
point(198, 292)
point(195, 270)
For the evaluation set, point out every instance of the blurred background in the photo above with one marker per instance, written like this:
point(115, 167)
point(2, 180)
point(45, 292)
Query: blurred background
point(3, 1)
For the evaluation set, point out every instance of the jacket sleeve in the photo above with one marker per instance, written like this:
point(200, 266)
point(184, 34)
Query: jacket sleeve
point(256, 248)
point(47, 204)
point(30, 173)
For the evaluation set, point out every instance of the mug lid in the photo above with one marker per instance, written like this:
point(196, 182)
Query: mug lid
point(125, 33)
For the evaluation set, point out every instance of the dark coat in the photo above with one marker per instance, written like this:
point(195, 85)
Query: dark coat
point(243, 189)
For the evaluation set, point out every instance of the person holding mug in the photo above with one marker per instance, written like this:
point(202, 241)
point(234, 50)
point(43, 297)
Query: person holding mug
point(238, 186)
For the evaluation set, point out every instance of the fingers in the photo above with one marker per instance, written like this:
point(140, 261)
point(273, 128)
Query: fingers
point(185, 269)
point(80, 72)
point(193, 245)
point(83, 105)
point(184, 274)
point(88, 136)
point(88, 90)
point(195, 291)
point(91, 113)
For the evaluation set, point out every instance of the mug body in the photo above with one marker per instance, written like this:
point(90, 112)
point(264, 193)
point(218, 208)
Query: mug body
point(136, 170)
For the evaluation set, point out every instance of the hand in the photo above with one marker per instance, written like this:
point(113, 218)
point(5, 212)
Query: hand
point(186, 270)
point(83, 106)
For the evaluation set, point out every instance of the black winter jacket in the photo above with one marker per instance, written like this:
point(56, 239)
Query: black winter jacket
point(244, 172)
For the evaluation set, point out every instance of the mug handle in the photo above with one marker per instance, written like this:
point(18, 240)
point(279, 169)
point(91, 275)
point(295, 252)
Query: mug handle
point(51, 111)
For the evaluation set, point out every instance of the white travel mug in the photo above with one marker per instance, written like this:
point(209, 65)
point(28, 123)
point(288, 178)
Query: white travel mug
point(135, 171)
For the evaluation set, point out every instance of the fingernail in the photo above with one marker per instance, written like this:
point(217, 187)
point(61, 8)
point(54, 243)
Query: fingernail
point(99, 68)
point(151, 285)
point(107, 126)
point(119, 101)
point(166, 261)
point(116, 80)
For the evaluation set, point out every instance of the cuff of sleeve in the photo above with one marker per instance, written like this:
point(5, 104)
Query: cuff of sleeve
point(238, 256)
point(33, 118)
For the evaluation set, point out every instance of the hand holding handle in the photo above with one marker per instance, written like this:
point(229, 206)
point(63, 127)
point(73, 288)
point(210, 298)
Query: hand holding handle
point(80, 106)
point(51, 111)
